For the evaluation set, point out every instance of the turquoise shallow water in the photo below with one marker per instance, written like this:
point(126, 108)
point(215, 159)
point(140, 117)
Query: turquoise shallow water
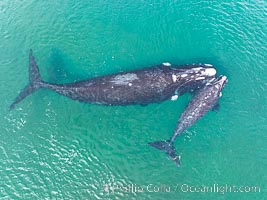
point(54, 148)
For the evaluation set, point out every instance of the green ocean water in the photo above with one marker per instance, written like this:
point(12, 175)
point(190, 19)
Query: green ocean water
point(52, 147)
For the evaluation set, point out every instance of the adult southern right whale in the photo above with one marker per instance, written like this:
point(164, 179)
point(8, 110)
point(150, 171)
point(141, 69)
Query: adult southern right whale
point(142, 86)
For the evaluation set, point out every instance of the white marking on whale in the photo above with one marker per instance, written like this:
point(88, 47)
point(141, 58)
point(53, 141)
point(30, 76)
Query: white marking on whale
point(224, 78)
point(124, 79)
point(184, 75)
point(209, 72)
point(200, 78)
point(174, 97)
point(167, 64)
point(174, 78)
point(208, 65)
point(197, 68)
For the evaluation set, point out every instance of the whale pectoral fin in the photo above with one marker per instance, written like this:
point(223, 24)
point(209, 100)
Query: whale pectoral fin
point(216, 108)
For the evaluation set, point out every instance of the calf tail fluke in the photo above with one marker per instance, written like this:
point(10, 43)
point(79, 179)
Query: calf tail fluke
point(35, 81)
point(168, 148)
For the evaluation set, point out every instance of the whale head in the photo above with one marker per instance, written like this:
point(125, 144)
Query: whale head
point(221, 81)
point(205, 74)
point(204, 71)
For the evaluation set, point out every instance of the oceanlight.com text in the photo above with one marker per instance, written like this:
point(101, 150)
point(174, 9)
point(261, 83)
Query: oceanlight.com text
point(222, 189)
point(183, 188)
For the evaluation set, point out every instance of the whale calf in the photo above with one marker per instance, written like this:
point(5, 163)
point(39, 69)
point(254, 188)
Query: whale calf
point(142, 86)
point(204, 100)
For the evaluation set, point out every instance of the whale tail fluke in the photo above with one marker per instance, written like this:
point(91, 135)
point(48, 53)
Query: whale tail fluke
point(168, 148)
point(35, 81)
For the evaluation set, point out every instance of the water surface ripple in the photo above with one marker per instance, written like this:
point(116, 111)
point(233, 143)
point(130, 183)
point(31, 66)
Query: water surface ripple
point(54, 148)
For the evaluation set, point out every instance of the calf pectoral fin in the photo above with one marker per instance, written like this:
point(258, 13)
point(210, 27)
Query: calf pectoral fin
point(216, 108)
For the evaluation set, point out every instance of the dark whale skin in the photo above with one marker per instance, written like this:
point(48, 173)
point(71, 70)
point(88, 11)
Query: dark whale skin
point(142, 86)
point(205, 99)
